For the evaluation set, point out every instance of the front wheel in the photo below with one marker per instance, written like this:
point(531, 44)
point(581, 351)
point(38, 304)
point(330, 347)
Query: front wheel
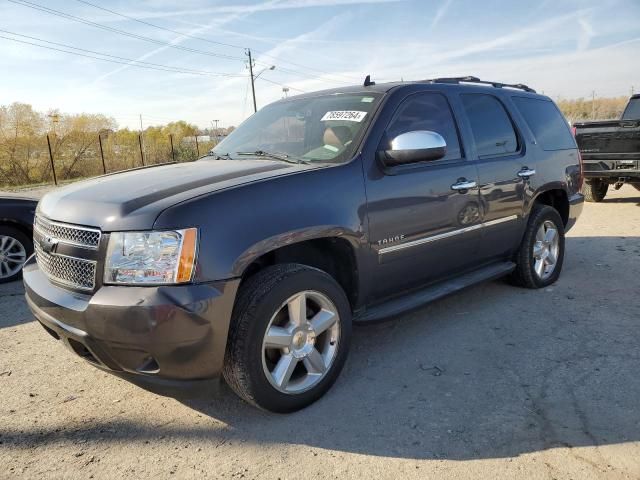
point(289, 337)
point(539, 259)
point(595, 190)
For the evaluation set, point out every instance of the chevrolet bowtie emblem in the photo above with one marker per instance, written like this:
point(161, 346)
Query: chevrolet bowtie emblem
point(48, 244)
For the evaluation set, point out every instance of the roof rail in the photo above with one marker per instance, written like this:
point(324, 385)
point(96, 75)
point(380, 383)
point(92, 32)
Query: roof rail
point(471, 79)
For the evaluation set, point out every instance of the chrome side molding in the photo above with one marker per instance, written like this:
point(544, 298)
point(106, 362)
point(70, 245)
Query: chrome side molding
point(442, 236)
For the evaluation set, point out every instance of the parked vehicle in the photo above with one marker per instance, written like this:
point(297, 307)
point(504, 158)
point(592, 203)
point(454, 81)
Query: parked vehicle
point(16, 232)
point(610, 152)
point(354, 204)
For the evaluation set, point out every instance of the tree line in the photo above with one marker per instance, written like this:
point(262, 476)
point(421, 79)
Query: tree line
point(85, 145)
point(581, 109)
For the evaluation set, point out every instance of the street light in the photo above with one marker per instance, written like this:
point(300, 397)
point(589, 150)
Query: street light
point(272, 67)
point(253, 78)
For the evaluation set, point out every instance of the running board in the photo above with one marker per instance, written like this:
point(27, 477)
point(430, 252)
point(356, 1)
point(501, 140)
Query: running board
point(418, 298)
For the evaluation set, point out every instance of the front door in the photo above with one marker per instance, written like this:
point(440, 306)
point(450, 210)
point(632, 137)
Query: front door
point(424, 217)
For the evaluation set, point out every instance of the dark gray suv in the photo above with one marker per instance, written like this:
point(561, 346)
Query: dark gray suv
point(346, 205)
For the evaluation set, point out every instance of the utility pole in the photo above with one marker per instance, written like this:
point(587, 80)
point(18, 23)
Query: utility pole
point(593, 105)
point(253, 88)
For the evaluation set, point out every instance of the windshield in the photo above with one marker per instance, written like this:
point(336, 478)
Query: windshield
point(632, 112)
point(326, 128)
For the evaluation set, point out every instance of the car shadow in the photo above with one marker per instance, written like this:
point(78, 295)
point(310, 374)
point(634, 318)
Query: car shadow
point(492, 372)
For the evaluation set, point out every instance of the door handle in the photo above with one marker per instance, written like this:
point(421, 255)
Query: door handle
point(526, 172)
point(463, 185)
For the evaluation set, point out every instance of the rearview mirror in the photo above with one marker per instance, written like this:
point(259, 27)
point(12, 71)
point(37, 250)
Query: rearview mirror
point(416, 146)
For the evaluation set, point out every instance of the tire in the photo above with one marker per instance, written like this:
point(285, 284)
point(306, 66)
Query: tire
point(534, 245)
point(15, 248)
point(252, 367)
point(595, 191)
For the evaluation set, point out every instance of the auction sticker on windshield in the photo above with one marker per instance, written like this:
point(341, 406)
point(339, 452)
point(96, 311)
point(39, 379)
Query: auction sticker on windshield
point(349, 115)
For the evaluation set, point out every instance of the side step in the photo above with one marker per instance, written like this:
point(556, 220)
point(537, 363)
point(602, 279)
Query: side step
point(415, 299)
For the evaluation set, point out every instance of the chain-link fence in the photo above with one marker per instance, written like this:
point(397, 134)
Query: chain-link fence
point(49, 159)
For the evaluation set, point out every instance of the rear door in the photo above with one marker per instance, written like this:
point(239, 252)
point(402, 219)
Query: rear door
point(501, 163)
point(421, 229)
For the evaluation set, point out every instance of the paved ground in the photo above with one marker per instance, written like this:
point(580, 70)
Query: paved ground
point(495, 382)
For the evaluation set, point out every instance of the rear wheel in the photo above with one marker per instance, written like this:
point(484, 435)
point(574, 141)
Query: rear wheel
point(289, 337)
point(15, 248)
point(595, 190)
point(539, 259)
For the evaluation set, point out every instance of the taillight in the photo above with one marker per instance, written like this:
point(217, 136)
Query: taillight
point(581, 178)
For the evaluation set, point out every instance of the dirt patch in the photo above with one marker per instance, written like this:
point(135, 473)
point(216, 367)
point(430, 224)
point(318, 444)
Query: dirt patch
point(495, 382)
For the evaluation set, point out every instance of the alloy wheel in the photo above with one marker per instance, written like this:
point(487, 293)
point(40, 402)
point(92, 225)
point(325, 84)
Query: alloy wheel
point(301, 342)
point(546, 249)
point(12, 256)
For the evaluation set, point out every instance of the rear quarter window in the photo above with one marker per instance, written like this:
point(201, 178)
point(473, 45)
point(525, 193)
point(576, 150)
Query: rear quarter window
point(546, 122)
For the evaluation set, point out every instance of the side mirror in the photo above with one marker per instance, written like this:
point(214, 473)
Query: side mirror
point(416, 146)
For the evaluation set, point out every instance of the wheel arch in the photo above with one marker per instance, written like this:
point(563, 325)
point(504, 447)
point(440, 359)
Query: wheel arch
point(334, 253)
point(26, 229)
point(553, 196)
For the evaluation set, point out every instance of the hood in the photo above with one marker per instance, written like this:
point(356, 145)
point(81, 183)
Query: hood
point(132, 200)
point(18, 199)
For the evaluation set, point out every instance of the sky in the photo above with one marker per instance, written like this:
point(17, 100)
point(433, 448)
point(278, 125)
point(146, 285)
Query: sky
point(563, 48)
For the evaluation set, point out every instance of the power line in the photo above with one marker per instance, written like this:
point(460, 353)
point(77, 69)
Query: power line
point(68, 16)
point(159, 26)
point(282, 85)
point(113, 58)
point(58, 13)
point(348, 79)
point(195, 37)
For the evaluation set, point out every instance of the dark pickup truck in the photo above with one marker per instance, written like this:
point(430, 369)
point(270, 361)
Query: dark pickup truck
point(610, 152)
point(354, 204)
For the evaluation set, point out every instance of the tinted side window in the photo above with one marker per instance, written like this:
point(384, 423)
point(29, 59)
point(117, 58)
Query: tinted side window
point(425, 111)
point(632, 112)
point(491, 126)
point(546, 123)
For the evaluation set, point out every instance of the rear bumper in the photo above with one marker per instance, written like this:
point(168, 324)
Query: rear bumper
point(612, 169)
point(162, 333)
point(576, 203)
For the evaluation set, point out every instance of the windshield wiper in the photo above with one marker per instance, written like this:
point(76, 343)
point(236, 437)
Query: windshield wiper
point(218, 156)
point(277, 156)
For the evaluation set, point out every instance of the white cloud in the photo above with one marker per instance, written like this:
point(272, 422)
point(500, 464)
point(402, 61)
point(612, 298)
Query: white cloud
point(440, 13)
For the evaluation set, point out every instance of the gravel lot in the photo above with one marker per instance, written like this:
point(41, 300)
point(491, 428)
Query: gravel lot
point(494, 382)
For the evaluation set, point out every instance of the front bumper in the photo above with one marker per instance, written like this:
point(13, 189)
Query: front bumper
point(576, 203)
point(164, 333)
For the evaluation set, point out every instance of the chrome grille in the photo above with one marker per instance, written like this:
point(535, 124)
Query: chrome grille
point(81, 236)
point(72, 272)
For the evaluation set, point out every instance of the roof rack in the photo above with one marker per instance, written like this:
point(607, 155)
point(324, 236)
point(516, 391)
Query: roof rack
point(470, 79)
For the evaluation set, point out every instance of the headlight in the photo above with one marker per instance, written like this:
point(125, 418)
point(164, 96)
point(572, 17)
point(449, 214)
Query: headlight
point(151, 257)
